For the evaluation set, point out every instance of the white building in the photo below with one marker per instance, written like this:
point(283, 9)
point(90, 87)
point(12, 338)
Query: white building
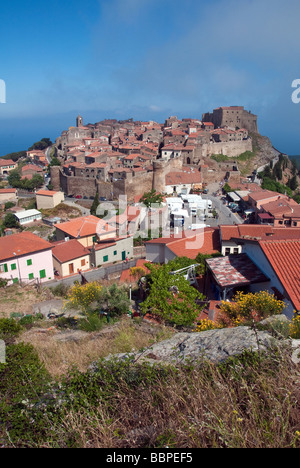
point(28, 216)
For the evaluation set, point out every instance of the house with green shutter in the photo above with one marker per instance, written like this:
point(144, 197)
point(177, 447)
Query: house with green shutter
point(25, 258)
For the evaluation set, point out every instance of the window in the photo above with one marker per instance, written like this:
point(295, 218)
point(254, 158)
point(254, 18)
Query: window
point(227, 251)
point(105, 258)
point(13, 266)
point(29, 262)
point(82, 262)
point(235, 251)
point(3, 268)
point(115, 252)
point(42, 274)
point(31, 276)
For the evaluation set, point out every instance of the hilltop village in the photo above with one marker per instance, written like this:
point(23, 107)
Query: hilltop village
point(130, 157)
point(90, 218)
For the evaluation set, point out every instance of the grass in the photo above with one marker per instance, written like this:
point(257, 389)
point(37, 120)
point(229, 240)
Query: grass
point(62, 210)
point(58, 356)
point(234, 406)
point(251, 401)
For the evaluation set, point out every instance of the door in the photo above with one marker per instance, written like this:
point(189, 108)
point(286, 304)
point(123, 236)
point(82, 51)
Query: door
point(124, 255)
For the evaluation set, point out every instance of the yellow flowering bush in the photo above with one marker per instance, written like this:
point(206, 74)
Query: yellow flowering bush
point(295, 326)
point(206, 324)
point(82, 296)
point(248, 307)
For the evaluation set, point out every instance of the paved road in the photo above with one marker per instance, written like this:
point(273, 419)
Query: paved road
point(226, 216)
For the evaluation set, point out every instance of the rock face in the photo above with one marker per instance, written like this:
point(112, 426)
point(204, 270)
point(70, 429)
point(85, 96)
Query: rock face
point(213, 345)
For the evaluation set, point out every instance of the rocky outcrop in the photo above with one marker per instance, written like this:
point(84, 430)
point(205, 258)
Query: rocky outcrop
point(215, 346)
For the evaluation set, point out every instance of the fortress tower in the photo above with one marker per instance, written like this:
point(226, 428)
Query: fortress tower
point(159, 174)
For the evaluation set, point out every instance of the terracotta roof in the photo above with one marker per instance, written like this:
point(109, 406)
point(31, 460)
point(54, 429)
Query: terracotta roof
point(104, 245)
point(265, 195)
point(235, 270)
point(67, 251)
point(284, 257)
point(83, 227)
point(175, 178)
point(191, 243)
point(256, 231)
point(206, 242)
point(47, 193)
point(244, 230)
point(21, 244)
point(7, 190)
point(7, 162)
point(281, 208)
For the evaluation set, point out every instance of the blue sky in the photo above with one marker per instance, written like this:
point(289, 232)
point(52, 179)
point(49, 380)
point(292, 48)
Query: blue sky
point(146, 59)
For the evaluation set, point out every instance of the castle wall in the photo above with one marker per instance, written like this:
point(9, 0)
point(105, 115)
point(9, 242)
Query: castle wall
point(228, 148)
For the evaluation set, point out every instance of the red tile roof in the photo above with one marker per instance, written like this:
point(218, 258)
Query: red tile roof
point(235, 270)
point(7, 190)
point(7, 162)
point(67, 251)
point(256, 231)
point(190, 243)
point(21, 244)
point(175, 178)
point(47, 193)
point(284, 257)
point(85, 226)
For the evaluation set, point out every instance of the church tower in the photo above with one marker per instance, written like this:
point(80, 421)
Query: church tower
point(79, 121)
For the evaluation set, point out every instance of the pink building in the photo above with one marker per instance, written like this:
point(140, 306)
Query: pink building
point(25, 257)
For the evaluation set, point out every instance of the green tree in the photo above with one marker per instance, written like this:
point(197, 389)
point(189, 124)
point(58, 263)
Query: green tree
point(10, 221)
point(227, 188)
point(171, 297)
point(293, 183)
point(14, 179)
point(41, 145)
point(151, 198)
point(95, 205)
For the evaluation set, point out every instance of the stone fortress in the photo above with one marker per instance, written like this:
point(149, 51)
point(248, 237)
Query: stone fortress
point(131, 157)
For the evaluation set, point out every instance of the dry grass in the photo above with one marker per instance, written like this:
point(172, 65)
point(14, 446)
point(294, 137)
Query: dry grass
point(197, 409)
point(15, 299)
point(60, 350)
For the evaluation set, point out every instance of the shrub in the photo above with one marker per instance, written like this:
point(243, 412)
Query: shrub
point(23, 381)
point(295, 326)
point(83, 296)
point(249, 307)
point(91, 323)
point(9, 328)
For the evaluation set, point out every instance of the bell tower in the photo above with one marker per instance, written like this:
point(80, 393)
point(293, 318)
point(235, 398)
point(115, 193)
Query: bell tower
point(79, 121)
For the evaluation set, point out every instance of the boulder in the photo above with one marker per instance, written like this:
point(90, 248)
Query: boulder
point(215, 346)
